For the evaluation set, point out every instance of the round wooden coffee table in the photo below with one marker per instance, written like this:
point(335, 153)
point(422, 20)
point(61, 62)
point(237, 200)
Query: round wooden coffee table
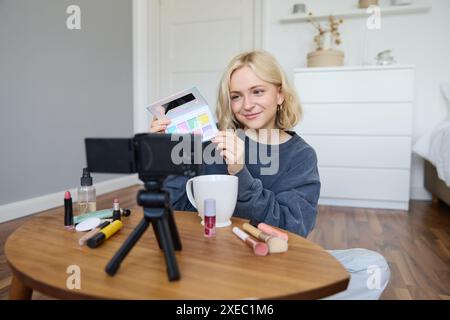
point(45, 257)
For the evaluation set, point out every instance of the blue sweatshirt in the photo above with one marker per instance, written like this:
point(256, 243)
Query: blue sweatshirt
point(287, 199)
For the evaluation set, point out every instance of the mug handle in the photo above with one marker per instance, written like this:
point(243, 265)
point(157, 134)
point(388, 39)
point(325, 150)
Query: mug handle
point(189, 192)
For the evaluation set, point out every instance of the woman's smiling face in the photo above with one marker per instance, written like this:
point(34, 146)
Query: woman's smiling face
point(254, 101)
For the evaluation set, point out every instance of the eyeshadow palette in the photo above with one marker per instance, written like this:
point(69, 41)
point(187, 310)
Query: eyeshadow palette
point(196, 122)
point(189, 113)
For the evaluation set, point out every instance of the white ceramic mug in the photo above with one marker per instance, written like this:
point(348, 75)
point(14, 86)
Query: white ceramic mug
point(222, 188)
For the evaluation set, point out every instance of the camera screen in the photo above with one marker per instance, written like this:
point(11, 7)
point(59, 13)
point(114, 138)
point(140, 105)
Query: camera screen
point(150, 155)
point(113, 155)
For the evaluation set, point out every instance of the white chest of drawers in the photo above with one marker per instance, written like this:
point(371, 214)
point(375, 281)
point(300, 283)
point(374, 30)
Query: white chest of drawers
point(359, 121)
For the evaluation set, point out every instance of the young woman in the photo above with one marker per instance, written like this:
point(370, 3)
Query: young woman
point(256, 108)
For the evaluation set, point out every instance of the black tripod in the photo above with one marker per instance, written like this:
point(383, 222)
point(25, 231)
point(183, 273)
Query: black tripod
point(158, 212)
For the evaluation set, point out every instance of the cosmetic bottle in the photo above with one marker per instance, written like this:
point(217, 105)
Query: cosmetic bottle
point(86, 194)
point(116, 210)
point(209, 217)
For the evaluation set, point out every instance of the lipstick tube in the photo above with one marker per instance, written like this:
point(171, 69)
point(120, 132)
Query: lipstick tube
point(116, 210)
point(68, 211)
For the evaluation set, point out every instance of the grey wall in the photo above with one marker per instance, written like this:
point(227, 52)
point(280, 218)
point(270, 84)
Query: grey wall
point(58, 86)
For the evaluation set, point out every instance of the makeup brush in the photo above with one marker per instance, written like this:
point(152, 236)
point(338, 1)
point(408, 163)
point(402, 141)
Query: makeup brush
point(275, 244)
point(269, 229)
point(259, 248)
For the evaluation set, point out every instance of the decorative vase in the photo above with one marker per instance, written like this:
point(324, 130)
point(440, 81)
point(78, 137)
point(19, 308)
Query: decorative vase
point(326, 41)
point(325, 58)
point(367, 3)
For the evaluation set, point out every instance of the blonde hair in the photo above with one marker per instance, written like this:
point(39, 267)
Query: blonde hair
point(265, 66)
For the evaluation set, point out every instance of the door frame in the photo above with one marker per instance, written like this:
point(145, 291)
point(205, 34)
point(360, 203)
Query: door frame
point(146, 18)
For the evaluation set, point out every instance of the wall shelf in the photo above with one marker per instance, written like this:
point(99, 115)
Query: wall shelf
point(357, 13)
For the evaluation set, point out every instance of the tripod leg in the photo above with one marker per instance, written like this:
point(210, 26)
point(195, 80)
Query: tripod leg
point(155, 230)
point(151, 214)
point(174, 231)
point(166, 242)
point(114, 264)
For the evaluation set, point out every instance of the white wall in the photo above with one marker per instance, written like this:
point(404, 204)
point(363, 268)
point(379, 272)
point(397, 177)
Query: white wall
point(421, 39)
point(57, 87)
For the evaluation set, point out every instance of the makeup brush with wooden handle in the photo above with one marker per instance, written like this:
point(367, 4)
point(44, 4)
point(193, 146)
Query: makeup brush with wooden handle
point(275, 244)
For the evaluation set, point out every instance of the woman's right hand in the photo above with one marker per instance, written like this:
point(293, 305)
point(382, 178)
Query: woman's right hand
point(159, 126)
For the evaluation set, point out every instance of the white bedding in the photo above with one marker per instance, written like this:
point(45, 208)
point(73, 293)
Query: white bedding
point(435, 145)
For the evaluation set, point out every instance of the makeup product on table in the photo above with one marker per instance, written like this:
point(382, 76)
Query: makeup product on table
point(68, 211)
point(259, 248)
point(83, 240)
point(88, 224)
point(275, 244)
point(104, 234)
point(86, 194)
point(210, 218)
point(269, 229)
point(116, 210)
point(102, 214)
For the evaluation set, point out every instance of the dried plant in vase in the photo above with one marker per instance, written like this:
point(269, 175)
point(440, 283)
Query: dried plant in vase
point(328, 36)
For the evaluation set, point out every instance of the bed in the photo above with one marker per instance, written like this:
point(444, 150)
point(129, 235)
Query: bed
point(434, 185)
point(434, 147)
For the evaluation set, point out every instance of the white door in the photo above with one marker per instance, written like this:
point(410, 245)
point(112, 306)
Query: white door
point(198, 38)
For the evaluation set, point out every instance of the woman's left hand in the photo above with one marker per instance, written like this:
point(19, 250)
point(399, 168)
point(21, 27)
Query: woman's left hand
point(232, 148)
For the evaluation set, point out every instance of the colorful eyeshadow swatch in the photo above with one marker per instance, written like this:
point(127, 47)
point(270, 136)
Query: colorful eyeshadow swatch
point(199, 124)
point(171, 129)
point(208, 131)
point(203, 119)
point(182, 127)
point(193, 123)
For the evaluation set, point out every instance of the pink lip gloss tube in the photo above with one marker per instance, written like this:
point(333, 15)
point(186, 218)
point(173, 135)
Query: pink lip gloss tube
point(209, 219)
point(269, 229)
